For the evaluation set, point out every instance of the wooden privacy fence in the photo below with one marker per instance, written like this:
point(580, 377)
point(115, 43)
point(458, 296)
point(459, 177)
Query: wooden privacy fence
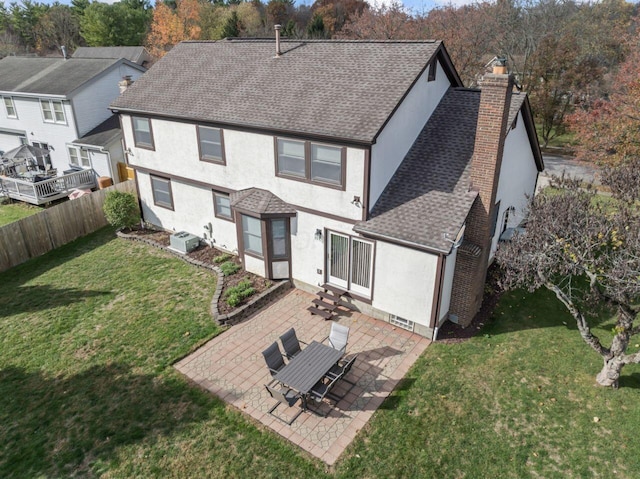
point(53, 227)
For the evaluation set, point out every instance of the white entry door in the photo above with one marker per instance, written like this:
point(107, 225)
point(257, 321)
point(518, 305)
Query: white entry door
point(350, 263)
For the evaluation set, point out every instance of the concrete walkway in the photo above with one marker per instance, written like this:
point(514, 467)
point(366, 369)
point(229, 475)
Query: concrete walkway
point(231, 366)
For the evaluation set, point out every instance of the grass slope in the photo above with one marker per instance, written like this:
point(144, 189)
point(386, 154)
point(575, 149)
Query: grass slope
point(15, 211)
point(87, 337)
point(517, 401)
point(88, 334)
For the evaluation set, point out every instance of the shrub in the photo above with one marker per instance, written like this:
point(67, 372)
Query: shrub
point(222, 258)
point(229, 267)
point(121, 209)
point(235, 295)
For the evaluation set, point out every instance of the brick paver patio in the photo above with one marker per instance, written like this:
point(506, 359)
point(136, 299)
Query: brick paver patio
point(231, 366)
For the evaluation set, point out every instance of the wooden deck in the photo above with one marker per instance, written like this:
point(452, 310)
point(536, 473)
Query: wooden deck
point(45, 191)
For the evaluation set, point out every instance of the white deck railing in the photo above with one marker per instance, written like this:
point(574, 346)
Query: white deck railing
point(47, 190)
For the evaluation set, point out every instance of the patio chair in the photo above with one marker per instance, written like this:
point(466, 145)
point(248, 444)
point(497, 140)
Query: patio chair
point(322, 391)
point(283, 396)
point(338, 337)
point(291, 343)
point(341, 369)
point(273, 358)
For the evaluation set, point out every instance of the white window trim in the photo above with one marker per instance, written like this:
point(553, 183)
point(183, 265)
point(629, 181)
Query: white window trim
point(53, 112)
point(13, 105)
point(79, 156)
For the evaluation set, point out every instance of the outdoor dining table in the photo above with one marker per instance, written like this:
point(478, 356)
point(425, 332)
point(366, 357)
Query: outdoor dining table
point(307, 368)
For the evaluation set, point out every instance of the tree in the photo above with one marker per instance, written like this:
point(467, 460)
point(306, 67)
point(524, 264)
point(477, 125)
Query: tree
point(56, 28)
point(382, 22)
point(230, 29)
point(123, 23)
point(587, 251)
point(24, 18)
point(316, 29)
point(169, 28)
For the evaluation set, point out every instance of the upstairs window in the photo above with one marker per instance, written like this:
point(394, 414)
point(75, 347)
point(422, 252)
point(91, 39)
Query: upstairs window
point(211, 144)
point(313, 162)
point(142, 133)
point(53, 111)
point(10, 107)
point(292, 158)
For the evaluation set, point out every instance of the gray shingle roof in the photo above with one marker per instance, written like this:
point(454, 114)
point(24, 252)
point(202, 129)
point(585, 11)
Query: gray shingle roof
point(48, 76)
point(103, 134)
point(429, 195)
point(333, 89)
point(134, 54)
point(261, 202)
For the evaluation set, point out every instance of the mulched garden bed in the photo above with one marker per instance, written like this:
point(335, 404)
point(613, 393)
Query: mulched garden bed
point(206, 254)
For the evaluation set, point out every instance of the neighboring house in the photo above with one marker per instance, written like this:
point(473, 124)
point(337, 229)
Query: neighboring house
point(362, 164)
point(138, 55)
point(50, 102)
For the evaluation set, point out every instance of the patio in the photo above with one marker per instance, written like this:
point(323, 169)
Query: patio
point(231, 366)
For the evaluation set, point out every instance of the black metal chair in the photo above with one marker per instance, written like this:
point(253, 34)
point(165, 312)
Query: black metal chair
point(273, 358)
point(291, 343)
point(341, 369)
point(283, 396)
point(322, 391)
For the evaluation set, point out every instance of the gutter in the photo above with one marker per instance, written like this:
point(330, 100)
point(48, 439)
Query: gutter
point(401, 242)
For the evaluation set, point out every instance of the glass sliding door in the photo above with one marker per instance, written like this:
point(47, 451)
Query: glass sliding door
point(350, 263)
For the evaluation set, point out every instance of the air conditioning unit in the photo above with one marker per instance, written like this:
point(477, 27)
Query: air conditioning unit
point(184, 242)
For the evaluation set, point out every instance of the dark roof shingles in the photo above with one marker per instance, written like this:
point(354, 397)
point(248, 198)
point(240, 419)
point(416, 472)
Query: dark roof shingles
point(261, 202)
point(48, 76)
point(428, 199)
point(335, 89)
point(103, 134)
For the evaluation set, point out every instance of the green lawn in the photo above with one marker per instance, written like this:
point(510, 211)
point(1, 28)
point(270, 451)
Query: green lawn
point(13, 212)
point(89, 332)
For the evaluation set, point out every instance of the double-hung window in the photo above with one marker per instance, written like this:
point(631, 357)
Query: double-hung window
point(222, 206)
point(79, 157)
point(313, 162)
point(252, 235)
point(10, 107)
point(52, 111)
point(142, 132)
point(162, 194)
point(211, 144)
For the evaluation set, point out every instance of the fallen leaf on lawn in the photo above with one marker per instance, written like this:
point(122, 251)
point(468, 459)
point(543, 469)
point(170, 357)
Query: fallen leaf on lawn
point(596, 419)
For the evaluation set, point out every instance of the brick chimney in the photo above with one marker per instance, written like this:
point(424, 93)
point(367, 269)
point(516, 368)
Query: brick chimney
point(473, 256)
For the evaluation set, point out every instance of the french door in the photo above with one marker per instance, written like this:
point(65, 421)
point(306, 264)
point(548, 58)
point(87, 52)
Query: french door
point(350, 263)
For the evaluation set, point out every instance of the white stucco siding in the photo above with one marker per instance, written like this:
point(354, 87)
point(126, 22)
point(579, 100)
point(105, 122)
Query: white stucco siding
point(307, 252)
point(400, 132)
point(404, 282)
point(518, 175)
point(254, 265)
point(9, 141)
point(193, 209)
point(100, 163)
point(250, 163)
point(447, 284)
point(56, 135)
point(91, 101)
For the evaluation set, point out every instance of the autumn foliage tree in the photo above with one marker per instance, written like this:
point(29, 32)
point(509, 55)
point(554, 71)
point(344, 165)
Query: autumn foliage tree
point(170, 27)
point(585, 250)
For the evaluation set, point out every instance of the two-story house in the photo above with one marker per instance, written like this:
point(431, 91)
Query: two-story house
point(52, 103)
point(364, 165)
